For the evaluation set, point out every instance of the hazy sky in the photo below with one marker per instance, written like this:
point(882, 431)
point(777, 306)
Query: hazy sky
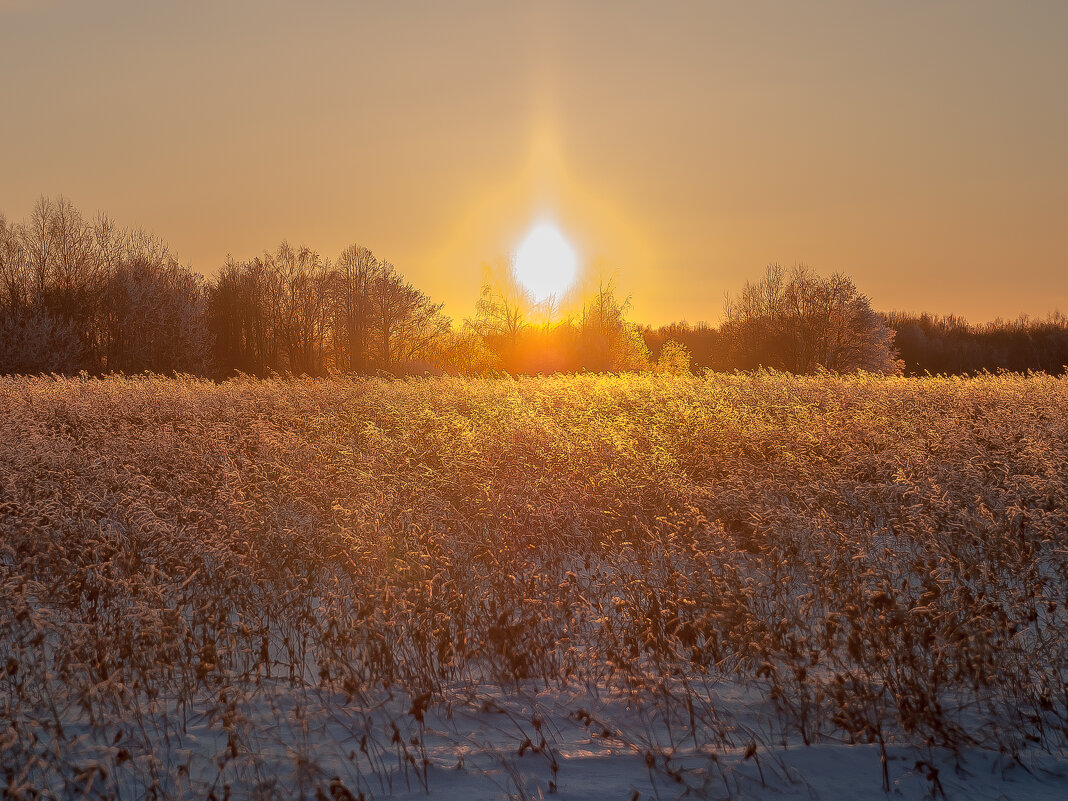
point(920, 147)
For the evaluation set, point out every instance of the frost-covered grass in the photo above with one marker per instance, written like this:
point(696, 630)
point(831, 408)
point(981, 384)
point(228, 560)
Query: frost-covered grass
point(582, 586)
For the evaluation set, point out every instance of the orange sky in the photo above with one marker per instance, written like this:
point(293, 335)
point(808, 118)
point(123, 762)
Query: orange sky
point(920, 147)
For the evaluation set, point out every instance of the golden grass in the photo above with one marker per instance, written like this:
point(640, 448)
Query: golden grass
point(880, 559)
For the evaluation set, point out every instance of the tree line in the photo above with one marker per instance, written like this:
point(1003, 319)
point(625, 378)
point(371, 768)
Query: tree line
point(950, 345)
point(290, 310)
point(922, 344)
point(79, 294)
point(84, 294)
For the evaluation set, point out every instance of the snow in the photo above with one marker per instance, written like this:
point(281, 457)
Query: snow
point(531, 742)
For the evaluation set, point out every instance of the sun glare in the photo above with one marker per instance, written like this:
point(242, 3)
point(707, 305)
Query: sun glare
point(545, 263)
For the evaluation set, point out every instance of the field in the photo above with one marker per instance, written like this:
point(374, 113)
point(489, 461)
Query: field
point(738, 586)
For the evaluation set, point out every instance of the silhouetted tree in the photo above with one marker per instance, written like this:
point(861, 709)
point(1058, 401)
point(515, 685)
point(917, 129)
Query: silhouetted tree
point(949, 344)
point(301, 312)
point(351, 293)
point(239, 316)
point(503, 313)
point(288, 310)
point(272, 312)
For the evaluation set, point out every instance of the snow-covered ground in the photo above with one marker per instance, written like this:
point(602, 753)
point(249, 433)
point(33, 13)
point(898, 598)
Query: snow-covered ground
point(274, 741)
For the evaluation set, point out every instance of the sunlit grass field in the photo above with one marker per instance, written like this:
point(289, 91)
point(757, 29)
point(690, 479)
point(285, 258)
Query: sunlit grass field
point(194, 576)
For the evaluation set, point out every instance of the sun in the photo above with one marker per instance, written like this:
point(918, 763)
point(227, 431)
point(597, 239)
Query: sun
point(545, 263)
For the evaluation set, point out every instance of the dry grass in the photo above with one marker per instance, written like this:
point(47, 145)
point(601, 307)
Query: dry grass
point(879, 560)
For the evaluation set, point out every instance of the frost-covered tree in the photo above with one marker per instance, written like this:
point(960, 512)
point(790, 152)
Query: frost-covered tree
point(156, 318)
point(609, 340)
point(674, 358)
point(798, 321)
point(32, 341)
point(406, 323)
point(78, 294)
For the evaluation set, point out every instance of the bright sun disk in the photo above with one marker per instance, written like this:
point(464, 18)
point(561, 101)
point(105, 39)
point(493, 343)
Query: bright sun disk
point(545, 263)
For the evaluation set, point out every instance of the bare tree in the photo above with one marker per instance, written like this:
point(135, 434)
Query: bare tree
point(350, 291)
point(31, 340)
point(290, 310)
point(503, 310)
point(66, 275)
point(300, 311)
point(239, 312)
point(272, 312)
point(14, 283)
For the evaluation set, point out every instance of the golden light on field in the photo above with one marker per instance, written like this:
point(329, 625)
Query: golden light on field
point(545, 264)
